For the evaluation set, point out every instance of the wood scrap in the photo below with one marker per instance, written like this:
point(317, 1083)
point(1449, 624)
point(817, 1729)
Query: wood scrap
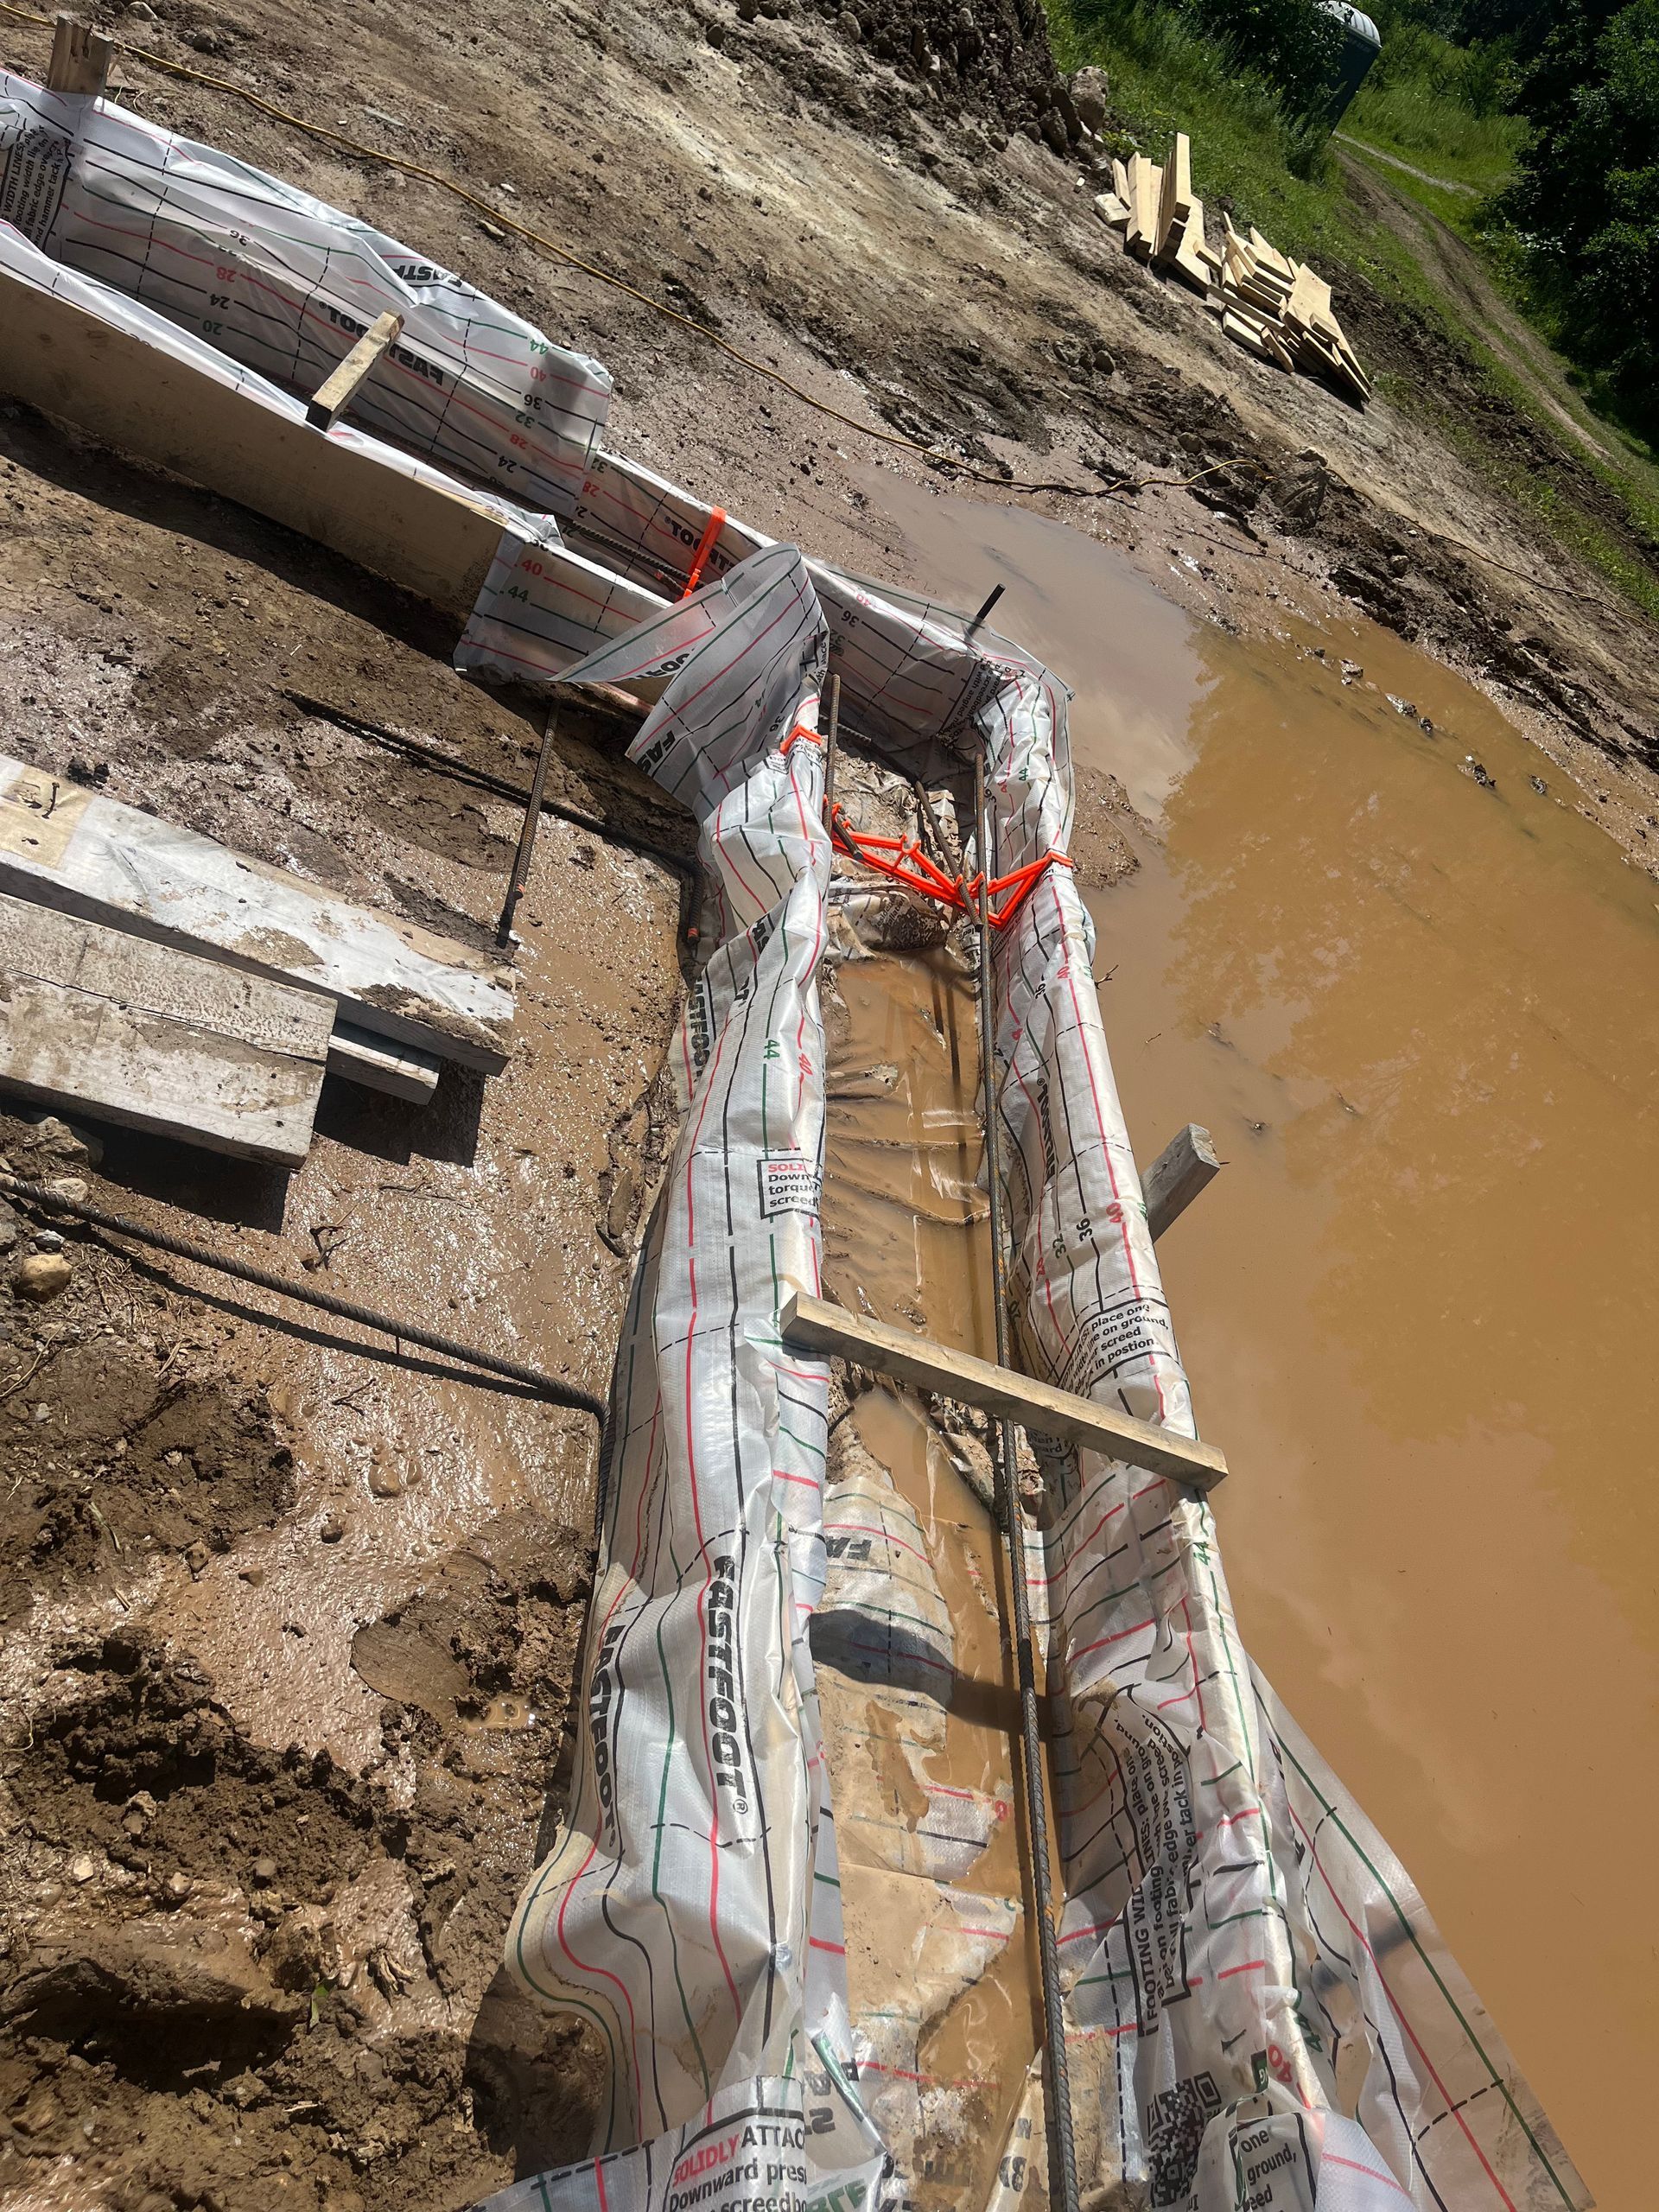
point(1174, 198)
point(89, 854)
point(1188, 259)
point(80, 58)
point(378, 1064)
point(336, 392)
point(155, 1038)
point(1146, 182)
point(814, 1324)
point(1111, 210)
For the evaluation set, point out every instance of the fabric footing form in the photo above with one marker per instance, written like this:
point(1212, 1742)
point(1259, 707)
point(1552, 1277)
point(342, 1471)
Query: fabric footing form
point(1262, 2016)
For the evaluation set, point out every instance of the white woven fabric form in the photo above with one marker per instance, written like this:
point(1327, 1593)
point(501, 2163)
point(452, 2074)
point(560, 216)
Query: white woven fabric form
point(286, 285)
point(1264, 2017)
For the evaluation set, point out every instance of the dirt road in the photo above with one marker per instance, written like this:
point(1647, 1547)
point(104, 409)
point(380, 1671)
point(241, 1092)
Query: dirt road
point(290, 1632)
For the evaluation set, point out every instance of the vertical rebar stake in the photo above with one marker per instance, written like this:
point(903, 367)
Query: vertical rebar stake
point(527, 832)
point(829, 744)
point(1057, 2083)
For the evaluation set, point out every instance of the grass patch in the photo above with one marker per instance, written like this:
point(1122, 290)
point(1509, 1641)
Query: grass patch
point(1422, 118)
point(1165, 77)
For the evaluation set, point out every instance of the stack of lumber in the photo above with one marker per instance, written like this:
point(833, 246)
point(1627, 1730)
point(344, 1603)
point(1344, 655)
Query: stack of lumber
point(154, 977)
point(1274, 308)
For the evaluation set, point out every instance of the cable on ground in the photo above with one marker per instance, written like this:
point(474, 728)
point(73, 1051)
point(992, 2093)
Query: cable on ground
point(556, 1392)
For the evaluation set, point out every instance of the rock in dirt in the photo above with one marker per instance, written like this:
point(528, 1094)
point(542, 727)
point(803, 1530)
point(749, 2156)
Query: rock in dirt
point(150, 1969)
point(55, 1147)
point(1088, 90)
point(41, 1276)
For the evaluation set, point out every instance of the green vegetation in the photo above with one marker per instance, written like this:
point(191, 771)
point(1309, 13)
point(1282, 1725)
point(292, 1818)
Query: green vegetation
point(1439, 107)
point(1584, 207)
point(1447, 100)
point(1250, 143)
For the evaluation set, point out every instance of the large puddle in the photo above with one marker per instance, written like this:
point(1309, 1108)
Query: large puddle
point(1417, 1011)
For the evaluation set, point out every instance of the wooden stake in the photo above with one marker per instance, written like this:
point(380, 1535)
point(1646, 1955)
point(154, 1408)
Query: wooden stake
point(80, 58)
point(336, 394)
point(1181, 1170)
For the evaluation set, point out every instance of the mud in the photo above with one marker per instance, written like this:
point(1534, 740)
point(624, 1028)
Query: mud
point(257, 1877)
point(915, 1680)
point(1388, 956)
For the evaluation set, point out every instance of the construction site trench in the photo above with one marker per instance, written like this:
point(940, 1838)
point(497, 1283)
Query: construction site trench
point(1368, 825)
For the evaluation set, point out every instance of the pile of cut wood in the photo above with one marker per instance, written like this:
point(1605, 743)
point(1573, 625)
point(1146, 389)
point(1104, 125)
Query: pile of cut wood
point(1273, 307)
point(150, 976)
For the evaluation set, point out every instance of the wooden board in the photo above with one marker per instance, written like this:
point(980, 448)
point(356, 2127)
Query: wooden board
point(1175, 196)
point(1146, 182)
point(1189, 258)
point(140, 1034)
point(86, 854)
point(80, 58)
point(1270, 258)
point(376, 1063)
point(1111, 210)
point(1186, 1164)
point(336, 392)
point(1248, 335)
point(140, 400)
point(812, 1325)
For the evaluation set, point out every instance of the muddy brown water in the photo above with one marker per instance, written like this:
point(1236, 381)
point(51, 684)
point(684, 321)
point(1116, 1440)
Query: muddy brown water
point(1417, 1013)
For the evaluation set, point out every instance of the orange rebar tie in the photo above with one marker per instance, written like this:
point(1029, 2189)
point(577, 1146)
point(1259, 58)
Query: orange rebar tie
point(906, 863)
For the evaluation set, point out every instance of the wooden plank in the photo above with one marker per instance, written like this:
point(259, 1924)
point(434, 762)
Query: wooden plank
point(335, 393)
point(113, 383)
point(1188, 259)
point(1175, 197)
point(1186, 1164)
point(80, 58)
point(810, 1324)
point(1146, 182)
point(1121, 179)
point(1270, 258)
point(154, 1039)
point(376, 1063)
point(1277, 349)
point(87, 853)
point(1246, 334)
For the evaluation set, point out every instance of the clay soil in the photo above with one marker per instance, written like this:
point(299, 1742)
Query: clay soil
point(290, 1619)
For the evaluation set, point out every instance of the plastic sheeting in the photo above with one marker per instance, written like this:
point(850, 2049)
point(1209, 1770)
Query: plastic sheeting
point(689, 1911)
point(286, 285)
point(1264, 2016)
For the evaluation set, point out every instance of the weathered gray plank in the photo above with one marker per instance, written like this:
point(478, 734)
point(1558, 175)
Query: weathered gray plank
point(810, 1324)
point(1181, 1170)
point(402, 1071)
point(155, 1038)
point(86, 854)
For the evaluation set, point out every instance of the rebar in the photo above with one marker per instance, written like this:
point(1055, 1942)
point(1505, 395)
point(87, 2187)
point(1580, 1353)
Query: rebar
point(1057, 2083)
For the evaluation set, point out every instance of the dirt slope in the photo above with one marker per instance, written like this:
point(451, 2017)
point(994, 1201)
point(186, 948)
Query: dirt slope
point(289, 1633)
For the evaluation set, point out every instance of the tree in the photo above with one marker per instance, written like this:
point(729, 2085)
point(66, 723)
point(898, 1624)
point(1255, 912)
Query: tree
point(1293, 44)
point(1585, 201)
